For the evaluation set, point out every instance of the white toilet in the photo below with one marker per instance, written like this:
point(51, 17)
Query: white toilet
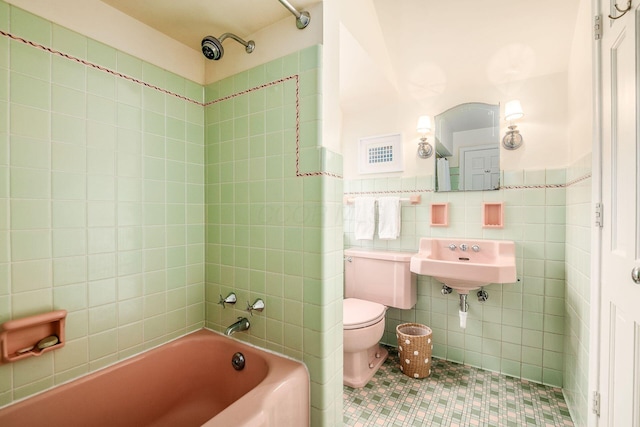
point(373, 281)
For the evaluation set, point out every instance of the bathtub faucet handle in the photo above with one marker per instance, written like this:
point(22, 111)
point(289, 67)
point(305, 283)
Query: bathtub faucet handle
point(258, 305)
point(230, 299)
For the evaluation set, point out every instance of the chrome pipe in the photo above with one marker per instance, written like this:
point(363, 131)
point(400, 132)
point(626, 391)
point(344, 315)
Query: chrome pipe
point(302, 18)
point(248, 46)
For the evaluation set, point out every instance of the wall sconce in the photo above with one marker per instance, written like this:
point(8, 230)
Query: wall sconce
point(512, 139)
point(425, 150)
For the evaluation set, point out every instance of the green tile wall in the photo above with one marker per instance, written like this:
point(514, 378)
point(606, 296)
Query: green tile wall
point(101, 200)
point(577, 292)
point(520, 330)
point(273, 214)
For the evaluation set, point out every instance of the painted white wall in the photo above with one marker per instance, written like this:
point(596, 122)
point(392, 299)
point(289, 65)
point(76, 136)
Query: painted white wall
point(544, 126)
point(331, 112)
point(275, 41)
point(108, 25)
point(580, 88)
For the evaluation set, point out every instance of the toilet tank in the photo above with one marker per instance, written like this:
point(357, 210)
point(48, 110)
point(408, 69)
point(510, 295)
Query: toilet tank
point(380, 276)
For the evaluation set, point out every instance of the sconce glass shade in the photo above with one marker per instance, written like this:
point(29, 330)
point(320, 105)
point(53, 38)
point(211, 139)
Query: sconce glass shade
point(513, 110)
point(424, 124)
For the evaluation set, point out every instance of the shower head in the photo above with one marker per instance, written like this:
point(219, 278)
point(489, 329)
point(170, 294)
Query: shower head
point(212, 47)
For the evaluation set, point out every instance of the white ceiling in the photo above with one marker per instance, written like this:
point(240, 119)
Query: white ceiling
point(189, 20)
point(429, 45)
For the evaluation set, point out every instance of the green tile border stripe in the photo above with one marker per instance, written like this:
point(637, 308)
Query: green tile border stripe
point(185, 98)
point(296, 78)
point(362, 193)
point(568, 184)
point(97, 67)
point(506, 187)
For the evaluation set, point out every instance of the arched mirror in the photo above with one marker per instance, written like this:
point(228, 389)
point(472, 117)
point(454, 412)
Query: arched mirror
point(467, 143)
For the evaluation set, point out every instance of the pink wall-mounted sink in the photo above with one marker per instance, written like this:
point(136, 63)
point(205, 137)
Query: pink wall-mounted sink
point(466, 264)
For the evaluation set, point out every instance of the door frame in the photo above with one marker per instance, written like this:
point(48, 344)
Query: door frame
point(596, 231)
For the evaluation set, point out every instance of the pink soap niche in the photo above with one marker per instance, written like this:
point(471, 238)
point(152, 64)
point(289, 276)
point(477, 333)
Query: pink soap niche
point(32, 336)
point(493, 215)
point(439, 214)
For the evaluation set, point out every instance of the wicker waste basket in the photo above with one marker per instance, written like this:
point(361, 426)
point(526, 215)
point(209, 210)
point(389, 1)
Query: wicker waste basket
point(414, 348)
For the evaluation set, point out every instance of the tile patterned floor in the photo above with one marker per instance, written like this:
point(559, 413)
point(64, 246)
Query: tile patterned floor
point(454, 395)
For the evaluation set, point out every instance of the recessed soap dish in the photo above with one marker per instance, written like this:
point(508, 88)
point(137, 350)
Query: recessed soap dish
point(439, 214)
point(32, 336)
point(493, 215)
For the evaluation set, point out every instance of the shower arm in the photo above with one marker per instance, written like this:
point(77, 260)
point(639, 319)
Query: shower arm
point(248, 46)
point(302, 18)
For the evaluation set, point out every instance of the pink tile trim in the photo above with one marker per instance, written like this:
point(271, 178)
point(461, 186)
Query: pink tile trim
point(96, 66)
point(296, 78)
point(504, 187)
point(193, 101)
point(568, 184)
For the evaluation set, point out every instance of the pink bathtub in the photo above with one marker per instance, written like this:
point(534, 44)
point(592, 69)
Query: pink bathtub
point(187, 382)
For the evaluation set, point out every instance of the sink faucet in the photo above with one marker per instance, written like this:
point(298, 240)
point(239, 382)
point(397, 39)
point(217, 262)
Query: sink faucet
point(241, 325)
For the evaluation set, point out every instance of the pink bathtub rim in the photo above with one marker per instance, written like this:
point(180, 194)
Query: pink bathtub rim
point(278, 396)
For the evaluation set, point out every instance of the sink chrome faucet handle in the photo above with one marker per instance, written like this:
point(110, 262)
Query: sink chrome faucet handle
point(230, 299)
point(464, 247)
point(452, 247)
point(258, 305)
point(475, 248)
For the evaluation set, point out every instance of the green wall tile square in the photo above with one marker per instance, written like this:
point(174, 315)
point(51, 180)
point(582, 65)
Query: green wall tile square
point(310, 58)
point(102, 110)
point(30, 214)
point(101, 54)
point(4, 16)
point(30, 244)
point(72, 297)
point(31, 275)
point(129, 117)
point(30, 27)
point(68, 186)
point(30, 183)
point(175, 128)
point(129, 65)
point(69, 42)
point(30, 153)
point(154, 75)
point(175, 83)
point(29, 122)
point(257, 124)
point(154, 214)
point(68, 101)
point(30, 61)
point(128, 92)
point(30, 91)
point(68, 158)
point(71, 130)
point(290, 64)
point(101, 83)
point(532, 373)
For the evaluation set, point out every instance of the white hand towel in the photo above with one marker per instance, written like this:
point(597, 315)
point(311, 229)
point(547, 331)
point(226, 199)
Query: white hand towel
point(365, 217)
point(443, 174)
point(389, 218)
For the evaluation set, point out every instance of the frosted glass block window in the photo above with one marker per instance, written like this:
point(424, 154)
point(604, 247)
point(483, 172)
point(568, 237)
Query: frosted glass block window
point(380, 154)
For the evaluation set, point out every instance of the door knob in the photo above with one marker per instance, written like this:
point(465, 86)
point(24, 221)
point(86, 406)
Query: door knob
point(635, 274)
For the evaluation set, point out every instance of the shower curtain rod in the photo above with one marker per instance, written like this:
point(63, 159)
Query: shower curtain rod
point(302, 18)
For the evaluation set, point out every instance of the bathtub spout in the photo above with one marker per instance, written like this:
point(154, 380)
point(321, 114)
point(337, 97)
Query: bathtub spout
point(241, 325)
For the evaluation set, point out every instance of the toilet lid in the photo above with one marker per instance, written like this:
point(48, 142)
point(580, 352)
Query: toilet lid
point(357, 313)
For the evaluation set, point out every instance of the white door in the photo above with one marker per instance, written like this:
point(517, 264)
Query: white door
point(481, 169)
point(620, 303)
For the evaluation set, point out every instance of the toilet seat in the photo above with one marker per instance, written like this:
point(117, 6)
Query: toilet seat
point(359, 313)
